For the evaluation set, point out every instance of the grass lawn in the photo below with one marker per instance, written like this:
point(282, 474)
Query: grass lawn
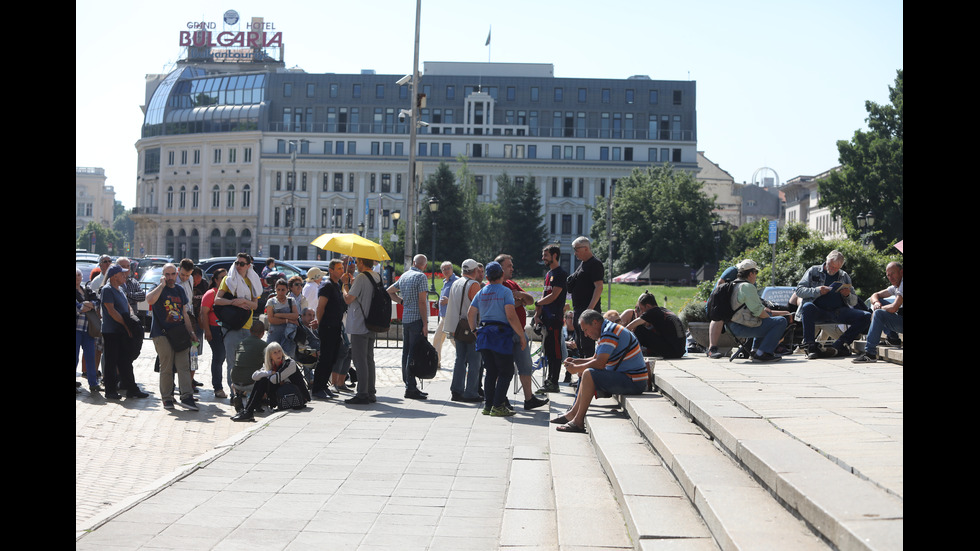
point(623, 295)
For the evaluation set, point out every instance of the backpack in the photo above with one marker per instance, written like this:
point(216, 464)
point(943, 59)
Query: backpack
point(288, 397)
point(720, 301)
point(424, 362)
point(378, 316)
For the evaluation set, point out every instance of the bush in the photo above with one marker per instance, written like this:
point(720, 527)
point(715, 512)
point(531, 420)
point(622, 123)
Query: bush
point(798, 248)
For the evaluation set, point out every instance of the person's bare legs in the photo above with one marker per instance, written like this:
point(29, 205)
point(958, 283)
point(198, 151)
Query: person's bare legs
point(586, 390)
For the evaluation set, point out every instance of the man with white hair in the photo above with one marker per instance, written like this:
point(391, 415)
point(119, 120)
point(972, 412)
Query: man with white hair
point(585, 286)
point(827, 296)
point(414, 290)
point(885, 315)
point(450, 277)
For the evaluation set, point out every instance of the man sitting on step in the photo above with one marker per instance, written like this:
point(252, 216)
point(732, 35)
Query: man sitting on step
point(616, 368)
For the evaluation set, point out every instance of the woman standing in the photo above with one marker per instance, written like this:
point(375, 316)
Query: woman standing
point(296, 292)
point(283, 315)
point(499, 329)
point(85, 300)
point(213, 333)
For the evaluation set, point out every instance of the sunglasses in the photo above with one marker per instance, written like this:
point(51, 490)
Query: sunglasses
point(240, 263)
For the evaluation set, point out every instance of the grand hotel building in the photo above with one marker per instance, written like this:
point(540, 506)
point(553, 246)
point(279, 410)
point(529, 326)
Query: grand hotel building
point(221, 143)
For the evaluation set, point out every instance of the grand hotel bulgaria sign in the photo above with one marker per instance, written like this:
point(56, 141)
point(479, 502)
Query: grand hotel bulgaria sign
point(258, 34)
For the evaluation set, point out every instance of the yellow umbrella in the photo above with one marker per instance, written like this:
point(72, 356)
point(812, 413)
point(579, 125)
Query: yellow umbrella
point(351, 244)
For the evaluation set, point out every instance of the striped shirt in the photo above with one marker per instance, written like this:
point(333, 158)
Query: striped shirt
point(623, 350)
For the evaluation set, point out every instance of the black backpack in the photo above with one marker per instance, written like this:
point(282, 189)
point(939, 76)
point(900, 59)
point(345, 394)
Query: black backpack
point(424, 362)
point(378, 316)
point(720, 301)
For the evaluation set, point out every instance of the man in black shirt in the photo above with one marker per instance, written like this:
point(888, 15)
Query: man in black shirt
point(549, 311)
point(659, 330)
point(330, 310)
point(585, 284)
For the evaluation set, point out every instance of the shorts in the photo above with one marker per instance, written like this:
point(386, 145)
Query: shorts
point(522, 359)
point(616, 382)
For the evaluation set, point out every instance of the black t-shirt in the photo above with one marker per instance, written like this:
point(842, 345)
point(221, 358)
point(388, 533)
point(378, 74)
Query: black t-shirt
point(665, 337)
point(586, 275)
point(553, 312)
point(333, 313)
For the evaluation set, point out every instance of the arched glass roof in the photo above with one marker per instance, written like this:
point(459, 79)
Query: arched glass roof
point(190, 101)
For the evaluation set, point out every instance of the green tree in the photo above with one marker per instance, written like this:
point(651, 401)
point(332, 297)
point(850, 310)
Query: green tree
point(658, 215)
point(451, 222)
point(521, 230)
point(871, 175)
point(104, 237)
point(482, 219)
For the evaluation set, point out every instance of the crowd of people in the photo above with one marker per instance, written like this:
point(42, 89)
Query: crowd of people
point(315, 333)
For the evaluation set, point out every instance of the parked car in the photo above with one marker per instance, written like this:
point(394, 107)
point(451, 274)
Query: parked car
point(305, 265)
point(86, 267)
point(209, 265)
point(149, 281)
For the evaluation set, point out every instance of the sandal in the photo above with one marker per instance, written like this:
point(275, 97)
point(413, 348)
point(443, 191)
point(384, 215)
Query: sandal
point(570, 427)
point(560, 420)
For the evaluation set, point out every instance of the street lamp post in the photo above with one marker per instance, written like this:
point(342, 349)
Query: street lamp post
point(433, 209)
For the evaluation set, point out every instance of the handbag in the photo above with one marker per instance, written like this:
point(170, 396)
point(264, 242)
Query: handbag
point(178, 337)
point(230, 316)
point(463, 333)
point(94, 324)
point(288, 397)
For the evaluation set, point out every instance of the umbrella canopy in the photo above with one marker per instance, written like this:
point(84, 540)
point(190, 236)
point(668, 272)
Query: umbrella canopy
point(352, 245)
point(628, 277)
point(900, 246)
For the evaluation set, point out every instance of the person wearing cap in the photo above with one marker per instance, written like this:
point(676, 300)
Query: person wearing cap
point(496, 334)
point(466, 372)
point(314, 278)
point(756, 320)
point(116, 335)
point(450, 277)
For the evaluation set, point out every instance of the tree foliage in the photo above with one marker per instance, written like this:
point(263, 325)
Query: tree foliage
point(451, 229)
point(521, 228)
point(871, 175)
point(658, 215)
point(104, 237)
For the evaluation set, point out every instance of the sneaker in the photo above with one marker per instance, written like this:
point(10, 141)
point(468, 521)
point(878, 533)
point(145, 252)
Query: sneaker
point(547, 387)
point(323, 394)
point(486, 410)
point(866, 357)
point(188, 403)
point(766, 357)
point(168, 404)
point(713, 353)
point(812, 351)
point(220, 393)
point(534, 402)
point(416, 394)
point(357, 401)
point(841, 351)
point(501, 411)
point(136, 393)
point(828, 352)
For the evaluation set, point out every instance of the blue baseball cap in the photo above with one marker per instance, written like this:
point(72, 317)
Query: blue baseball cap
point(493, 270)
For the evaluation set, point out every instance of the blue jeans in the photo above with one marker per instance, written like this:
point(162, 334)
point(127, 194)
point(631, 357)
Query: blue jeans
point(766, 335)
point(411, 334)
point(857, 322)
point(881, 321)
point(466, 372)
point(86, 343)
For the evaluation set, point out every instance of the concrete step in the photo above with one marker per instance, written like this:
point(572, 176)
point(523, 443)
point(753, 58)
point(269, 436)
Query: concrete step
point(755, 486)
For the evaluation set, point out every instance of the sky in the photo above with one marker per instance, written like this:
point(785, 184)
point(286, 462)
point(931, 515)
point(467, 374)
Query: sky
point(778, 82)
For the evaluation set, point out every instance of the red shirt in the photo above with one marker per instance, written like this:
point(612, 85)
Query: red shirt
point(521, 311)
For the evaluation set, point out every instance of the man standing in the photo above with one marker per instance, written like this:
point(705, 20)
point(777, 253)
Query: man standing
point(885, 316)
point(466, 372)
point(105, 261)
point(826, 295)
point(450, 277)
point(116, 335)
point(658, 329)
point(413, 287)
point(131, 287)
point(170, 305)
point(549, 311)
point(522, 356)
point(330, 309)
point(585, 284)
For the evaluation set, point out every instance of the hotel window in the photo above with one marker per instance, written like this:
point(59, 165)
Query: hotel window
point(581, 187)
point(287, 89)
point(356, 91)
point(231, 197)
point(374, 182)
point(352, 148)
point(532, 152)
point(310, 90)
point(403, 91)
point(340, 147)
point(385, 183)
point(566, 187)
point(559, 92)
point(606, 95)
point(170, 197)
point(215, 197)
point(603, 153)
point(183, 157)
point(630, 95)
point(246, 196)
point(582, 95)
point(370, 219)
point(479, 184)
point(350, 183)
point(248, 154)
point(232, 155)
point(398, 183)
point(652, 155)
point(350, 219)
point(450, 91)
point(170, 158)
point(278, 180)
point(654, 97)
point(511, 93)
point(677, 156)
point(334, 89)
point(217, 156)
point(399, 148)
point(534, 93)
point(580, 152)
point(677, 97)
point(664, 155)
point(566, 224)
point(183, 197)
point(197, 156)
point(195, 197)
point(379, 91)
point(338, 181)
